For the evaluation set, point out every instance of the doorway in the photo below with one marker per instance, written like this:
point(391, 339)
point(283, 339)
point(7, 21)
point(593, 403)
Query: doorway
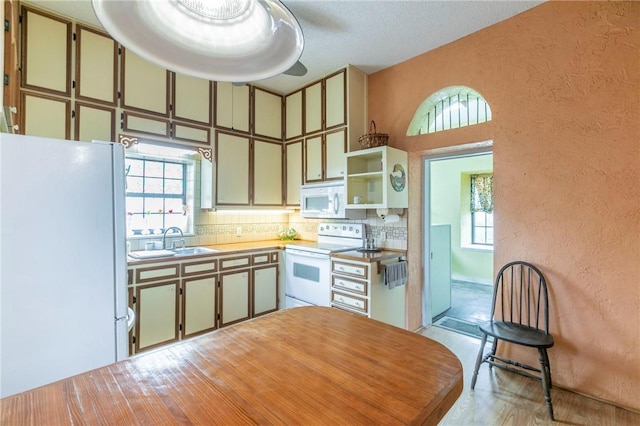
point(459, 258)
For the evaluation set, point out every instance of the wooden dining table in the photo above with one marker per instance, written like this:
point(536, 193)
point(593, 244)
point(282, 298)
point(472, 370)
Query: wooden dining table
point(307, 365)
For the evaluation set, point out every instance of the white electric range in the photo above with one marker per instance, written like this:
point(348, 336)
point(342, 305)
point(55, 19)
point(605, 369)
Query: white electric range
point(308, 263)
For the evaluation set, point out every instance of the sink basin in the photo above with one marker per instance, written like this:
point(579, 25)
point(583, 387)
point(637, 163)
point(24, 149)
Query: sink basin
point(187, 251)
point(193, 250)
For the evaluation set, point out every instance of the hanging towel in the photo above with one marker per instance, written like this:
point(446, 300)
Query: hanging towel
point(395, 274)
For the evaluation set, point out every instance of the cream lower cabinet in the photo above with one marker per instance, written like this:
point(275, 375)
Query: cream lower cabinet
point(199, 305)
point(234, 297)
point(264, 290)
point(156, 314)
point(358, 287)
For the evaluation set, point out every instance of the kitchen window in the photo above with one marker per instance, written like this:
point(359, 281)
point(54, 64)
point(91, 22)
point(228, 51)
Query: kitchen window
point(482, 209)
point(159, 191)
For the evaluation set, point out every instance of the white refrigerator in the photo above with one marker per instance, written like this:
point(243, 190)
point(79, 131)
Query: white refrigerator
point(63, 286)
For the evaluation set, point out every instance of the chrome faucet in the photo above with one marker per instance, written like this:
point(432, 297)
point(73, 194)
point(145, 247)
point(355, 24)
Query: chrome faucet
point(164, 236)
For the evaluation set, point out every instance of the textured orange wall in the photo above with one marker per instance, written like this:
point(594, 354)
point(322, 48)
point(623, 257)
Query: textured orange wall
point(563, 82)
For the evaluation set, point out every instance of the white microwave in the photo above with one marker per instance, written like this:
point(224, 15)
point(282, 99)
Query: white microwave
point(326, 200)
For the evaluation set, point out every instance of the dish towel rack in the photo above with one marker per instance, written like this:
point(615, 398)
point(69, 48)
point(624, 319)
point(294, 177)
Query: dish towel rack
point(395, 274)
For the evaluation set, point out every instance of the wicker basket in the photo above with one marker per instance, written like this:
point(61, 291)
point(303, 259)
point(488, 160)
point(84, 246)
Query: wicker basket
point(373, 139)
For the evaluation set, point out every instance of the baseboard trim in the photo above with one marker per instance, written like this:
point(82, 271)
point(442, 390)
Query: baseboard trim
point(472, 280)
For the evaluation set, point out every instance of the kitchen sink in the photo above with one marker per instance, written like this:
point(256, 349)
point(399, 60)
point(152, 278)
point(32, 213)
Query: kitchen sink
point(154, 254)
point(193, 250)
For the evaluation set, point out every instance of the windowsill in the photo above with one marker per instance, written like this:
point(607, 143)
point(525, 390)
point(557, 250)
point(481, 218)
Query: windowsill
point(148, 236)
point(477, 247)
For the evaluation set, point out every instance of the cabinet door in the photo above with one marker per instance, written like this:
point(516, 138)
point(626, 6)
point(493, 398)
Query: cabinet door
point(46, 56)
point(313, 159)
point(192, 99)
point(293, 116)
point(293, 158)
point(232, 106)
point(96, 66)
point(267, 173)
point(267, 114)
point(313, 108)
point(94, 123)
point(157, 314)
point(335, 100)
point(234, 297)
point(335, 145)
point(265, 290)
point(199, 305)
point(145, 85)
point(45, 116)
point(232, 169)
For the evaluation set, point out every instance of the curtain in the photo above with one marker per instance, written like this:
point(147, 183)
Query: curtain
point(482, 193)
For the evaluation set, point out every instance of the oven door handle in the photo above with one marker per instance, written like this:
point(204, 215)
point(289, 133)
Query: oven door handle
point(303, 253)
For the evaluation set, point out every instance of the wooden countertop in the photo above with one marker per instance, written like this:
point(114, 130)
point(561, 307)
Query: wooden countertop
point(309, 365)
point(385, 254)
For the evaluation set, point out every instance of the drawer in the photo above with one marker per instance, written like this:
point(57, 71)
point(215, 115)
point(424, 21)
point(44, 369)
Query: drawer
point(261, 259)
point(200, 267)
point(342, 308)
point(274, 257)
point(234, 262)
point(155, 273)
point(353, 286)
point(360, 271)
point(353, 302)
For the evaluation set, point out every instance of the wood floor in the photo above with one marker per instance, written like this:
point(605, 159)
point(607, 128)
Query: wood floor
point(504, 398)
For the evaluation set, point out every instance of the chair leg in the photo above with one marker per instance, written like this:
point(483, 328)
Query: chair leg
point(546, 379)
point(478, 361)
point(494, 347)
point(546, 356)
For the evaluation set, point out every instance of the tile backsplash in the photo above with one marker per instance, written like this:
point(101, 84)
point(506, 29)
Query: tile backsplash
point(213, 228)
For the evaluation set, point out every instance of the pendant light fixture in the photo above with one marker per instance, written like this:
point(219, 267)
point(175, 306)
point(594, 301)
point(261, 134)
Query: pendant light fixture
point(219, 40)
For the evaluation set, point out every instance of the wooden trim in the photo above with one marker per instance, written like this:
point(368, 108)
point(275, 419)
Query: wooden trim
point(66, 101)
point(25, 12)
point(190, 120)
point(11, 92)
point(125, 123)
point(123, 102)
point(76, 124)
point(253, 114)
point(183, 305)
point(175, 282)
point(205, 129)
point(344, 99)
point(249, 273)
point(213, 270)
point(79, 29)
point(140, 280)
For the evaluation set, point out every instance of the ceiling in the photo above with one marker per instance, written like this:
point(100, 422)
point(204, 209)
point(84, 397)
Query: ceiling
point(371, 35)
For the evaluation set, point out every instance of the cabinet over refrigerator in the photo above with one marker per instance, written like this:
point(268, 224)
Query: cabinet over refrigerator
point(63, 280)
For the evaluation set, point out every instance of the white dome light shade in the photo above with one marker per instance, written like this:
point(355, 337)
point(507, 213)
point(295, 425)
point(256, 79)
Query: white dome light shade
point(219, 40)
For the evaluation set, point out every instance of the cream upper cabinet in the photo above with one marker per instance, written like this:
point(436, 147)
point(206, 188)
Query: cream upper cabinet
point(313, 108)
point(267, 114)
point(232, 169)
point(145, 85)
point(45, 116)
point(94, 123)
point(293, 159)
point(267, 173)
point(192, 99)
point(293, 118)
point(335, 100)
point(46, 62)
point(335, 145)
point(96, 66)
point(313, 159)
point(232, 106)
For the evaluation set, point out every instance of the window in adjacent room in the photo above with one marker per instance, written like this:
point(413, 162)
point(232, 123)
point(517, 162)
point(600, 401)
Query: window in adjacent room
point(482, 209)
point(160, 190)
point(449, 108)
